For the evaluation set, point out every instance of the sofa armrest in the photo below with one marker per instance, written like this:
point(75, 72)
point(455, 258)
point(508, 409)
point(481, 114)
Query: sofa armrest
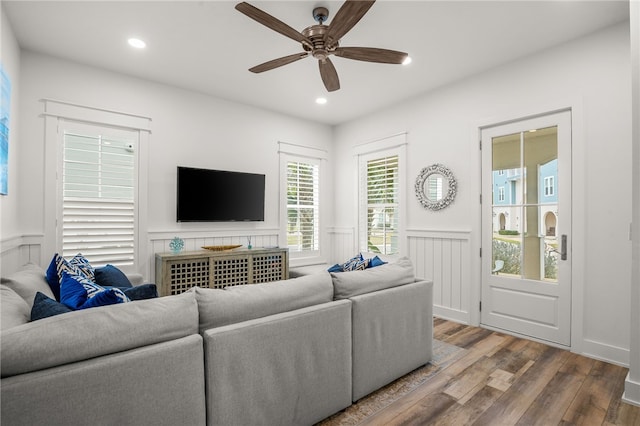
point(288, 368)
point(135, 279)
point(160, 384)
point(383, 322)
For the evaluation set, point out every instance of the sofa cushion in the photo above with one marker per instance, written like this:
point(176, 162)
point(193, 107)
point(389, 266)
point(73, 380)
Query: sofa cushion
point(111, 276)
point(78, 292)
point(45, 307)
point(89, 333)
point(27, 282)
point(353, 283)
point(14, 310)
point(241, 303)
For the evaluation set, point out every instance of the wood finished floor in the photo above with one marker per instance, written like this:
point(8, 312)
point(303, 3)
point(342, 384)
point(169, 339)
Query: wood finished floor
point(505, 380)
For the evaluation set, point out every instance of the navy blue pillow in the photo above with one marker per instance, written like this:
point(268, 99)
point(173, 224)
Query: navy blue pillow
point(336, 268)
point(141, 292)
point(44, 307)
point(110, 276)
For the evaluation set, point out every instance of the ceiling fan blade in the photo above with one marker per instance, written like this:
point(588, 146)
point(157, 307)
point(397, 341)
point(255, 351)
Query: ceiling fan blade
point(371, 54)
point(275, 63)
point(274, 23)
point(347, 16)
point(329, 75)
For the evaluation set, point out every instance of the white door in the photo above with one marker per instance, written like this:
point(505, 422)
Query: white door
point(526, 227)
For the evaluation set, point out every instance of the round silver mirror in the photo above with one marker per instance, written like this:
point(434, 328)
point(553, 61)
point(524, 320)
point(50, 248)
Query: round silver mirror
point(435, 187)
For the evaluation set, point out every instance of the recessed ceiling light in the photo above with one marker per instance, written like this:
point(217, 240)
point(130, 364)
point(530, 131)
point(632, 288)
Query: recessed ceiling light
point(407, 60)
point(137, 43)
point(321, 101)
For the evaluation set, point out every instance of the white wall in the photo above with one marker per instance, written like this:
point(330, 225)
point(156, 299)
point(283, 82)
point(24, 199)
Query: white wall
point(10, 226)
point(590, 75)
point(188, 129)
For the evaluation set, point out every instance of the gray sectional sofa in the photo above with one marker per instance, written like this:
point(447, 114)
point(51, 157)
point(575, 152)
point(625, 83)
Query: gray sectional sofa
point(291, 352)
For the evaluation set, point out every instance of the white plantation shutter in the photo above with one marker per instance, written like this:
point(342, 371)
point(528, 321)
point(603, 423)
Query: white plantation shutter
point(302, 206)
point(380, 206)
point(99, 197)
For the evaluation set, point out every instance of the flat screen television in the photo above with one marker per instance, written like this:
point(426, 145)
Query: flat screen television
point(206, 195)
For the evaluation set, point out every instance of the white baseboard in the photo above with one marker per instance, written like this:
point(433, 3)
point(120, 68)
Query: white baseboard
point(605, 352)
point(451, 314)
point(631, 393)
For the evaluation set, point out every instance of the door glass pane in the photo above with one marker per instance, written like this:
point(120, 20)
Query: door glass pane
point(525, 204)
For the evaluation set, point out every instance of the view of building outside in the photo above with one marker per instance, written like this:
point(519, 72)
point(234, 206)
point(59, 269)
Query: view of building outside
point(508, 217)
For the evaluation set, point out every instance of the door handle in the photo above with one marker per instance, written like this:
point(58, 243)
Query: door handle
point(563, 247)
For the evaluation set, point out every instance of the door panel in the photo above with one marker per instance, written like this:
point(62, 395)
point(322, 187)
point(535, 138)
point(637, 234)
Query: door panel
point(526, 169)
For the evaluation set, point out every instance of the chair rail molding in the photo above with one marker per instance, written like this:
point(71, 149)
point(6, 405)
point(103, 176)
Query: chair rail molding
point(444, 257)
point(18, 250)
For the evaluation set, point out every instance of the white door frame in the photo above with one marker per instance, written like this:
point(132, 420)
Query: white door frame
point(579, 173)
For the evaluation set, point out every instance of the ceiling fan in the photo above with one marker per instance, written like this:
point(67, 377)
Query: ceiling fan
point(321, 41)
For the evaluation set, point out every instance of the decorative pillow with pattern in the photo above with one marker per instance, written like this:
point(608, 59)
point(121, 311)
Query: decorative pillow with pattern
point(78, 265)
point(77, 292)
point(352, 264)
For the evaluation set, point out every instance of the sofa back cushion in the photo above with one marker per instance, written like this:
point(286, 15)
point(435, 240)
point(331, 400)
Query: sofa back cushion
point(354, 283)
point(14, 310)
point(90, 333)
point(245, 302)
point(27, 282)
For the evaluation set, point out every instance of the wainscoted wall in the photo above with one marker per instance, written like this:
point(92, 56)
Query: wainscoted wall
point(444, 258)
point(18, 251)
point(341, 245)
point(194, 240)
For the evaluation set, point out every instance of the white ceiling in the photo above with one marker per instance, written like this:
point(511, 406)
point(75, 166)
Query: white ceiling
point(208, 46)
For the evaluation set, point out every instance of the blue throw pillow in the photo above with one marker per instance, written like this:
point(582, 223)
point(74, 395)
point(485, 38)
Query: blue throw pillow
point(376, 261)
point(44, 307)
point(141, 292)
point(78, 265)
point(110, 276)
point(352, 263)
point(336, 268)
point(77, 292)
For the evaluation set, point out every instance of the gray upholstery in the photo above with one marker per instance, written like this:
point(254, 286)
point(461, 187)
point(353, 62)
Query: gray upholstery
point(14, 310)
point(161, 384)
point(84, 334)
point(354, 283)
point(282, 353)
point(287, 369)
point(241, 303)
point(392, 335)
point(301, 271)
point(27, 282)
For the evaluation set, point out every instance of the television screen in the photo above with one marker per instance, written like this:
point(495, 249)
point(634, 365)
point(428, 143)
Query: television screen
point(219, 196)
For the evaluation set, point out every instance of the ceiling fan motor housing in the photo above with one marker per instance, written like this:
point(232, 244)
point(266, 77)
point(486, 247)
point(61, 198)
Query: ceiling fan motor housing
point(315, 34)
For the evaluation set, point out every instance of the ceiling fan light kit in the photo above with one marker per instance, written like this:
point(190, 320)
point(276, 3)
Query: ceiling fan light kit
point(321, 41)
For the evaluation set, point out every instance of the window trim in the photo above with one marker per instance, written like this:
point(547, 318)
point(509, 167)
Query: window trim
point(56, 113)
point(299, 153)
point(392, 145)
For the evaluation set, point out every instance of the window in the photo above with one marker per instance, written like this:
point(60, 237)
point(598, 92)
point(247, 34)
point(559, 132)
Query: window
point(99, 176)
point(501, 193)
point(380, 205)
point(549, 188)
point(303, 214)
point(95, 197)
